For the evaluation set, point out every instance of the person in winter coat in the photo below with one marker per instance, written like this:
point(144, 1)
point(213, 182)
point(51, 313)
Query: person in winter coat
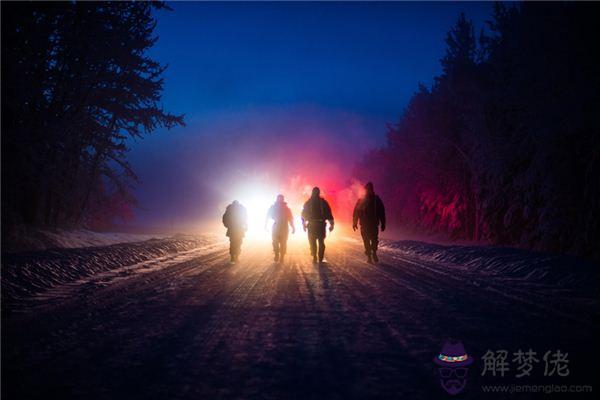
point(370, 213)
point(315, 214)
point(235, 220)
point(282, 215)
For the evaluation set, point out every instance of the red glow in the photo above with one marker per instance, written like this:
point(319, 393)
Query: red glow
point(308, 153)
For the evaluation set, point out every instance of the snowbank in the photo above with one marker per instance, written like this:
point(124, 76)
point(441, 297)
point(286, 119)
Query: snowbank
point(561, 270)
point(39, 239)
point(27, 273)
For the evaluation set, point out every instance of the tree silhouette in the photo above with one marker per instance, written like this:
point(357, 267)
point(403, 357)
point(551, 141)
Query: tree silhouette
point(76, 85)
point(505, 145)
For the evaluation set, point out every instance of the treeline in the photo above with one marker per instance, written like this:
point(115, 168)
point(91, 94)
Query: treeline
point(76, 84)
point(504, 147)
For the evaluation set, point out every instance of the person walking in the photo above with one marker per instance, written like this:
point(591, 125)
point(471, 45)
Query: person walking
point(315, 214)
point(235, 220)
point(281, 214)
point(370, 213)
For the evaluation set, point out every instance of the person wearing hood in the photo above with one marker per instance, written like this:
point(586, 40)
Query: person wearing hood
point(281, 214)
point(315, 214)
point(235, 220)
point(370, 213)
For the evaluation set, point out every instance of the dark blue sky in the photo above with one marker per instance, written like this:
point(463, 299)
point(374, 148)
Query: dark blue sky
point(363, 57)
point(232, 65)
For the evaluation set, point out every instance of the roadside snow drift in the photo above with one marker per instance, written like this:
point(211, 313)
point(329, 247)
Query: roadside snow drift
point(506, 262)
point(28, 273)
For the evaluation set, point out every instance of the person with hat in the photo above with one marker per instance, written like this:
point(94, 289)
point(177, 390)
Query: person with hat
point(282, 215)
point(315, 215)
point(370, 213)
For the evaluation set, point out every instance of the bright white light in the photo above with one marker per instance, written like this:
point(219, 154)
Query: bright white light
point(258, 198)
point(257, 202)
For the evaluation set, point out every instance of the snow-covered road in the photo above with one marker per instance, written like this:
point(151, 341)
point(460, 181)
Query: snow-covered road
point(191, 326)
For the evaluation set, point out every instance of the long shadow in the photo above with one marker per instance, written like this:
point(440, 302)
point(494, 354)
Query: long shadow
point(324, 271)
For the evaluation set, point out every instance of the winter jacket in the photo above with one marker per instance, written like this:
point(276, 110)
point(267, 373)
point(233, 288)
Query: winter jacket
point(370, 212)
point(235, 219)
point(316, 209)
point(281, 214)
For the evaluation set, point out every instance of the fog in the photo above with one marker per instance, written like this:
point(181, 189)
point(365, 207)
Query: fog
point(188, 176)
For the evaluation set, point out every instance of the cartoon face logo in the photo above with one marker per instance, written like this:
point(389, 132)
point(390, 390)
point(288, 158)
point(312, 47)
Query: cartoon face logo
point(453, 363)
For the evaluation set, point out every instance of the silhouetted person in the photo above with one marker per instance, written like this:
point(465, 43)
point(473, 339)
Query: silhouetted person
point(369, 211)
point(282, 215)
point(315, 214)
point(235, 220)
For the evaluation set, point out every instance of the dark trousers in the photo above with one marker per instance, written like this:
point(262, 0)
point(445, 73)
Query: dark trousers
point(235, 245)
point(280, 238)
point(316, 235)
point(370, 237)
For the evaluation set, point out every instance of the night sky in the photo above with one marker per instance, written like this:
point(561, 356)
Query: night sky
point(279, 97)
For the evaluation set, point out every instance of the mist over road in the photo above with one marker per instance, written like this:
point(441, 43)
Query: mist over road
point(191, 325)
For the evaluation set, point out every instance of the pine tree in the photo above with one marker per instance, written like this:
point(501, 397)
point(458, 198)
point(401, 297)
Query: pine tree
point(76, 85)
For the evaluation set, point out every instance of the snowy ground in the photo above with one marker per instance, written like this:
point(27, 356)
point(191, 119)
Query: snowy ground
point(28, 273)
point(154, 320)
point(28, 239)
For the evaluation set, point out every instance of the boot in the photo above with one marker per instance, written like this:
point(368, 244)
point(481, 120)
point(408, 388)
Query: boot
point(369, 259)
point(375, 258)
point(314, 258)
